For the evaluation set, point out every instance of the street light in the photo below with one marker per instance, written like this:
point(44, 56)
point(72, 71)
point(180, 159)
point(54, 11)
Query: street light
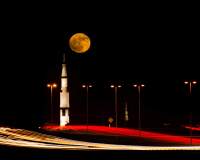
point(190, 83)
point(51, 86)
point(87, 86)
point(139, 86)
point(116, 87)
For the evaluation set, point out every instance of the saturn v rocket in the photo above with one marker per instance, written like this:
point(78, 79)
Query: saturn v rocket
point(64, 95)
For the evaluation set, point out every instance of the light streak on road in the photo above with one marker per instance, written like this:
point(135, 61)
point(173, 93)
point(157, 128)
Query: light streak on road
point(127, 132)
point(32, 139)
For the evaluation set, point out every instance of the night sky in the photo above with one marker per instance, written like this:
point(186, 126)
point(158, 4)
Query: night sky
point(158, 47)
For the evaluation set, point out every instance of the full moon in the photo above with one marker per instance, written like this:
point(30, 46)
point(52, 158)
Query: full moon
point(79, 43)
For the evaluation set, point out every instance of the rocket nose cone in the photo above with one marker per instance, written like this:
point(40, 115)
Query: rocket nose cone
point(64, 71)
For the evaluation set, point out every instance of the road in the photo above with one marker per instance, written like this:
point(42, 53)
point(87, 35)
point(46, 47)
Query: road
point(26, 138)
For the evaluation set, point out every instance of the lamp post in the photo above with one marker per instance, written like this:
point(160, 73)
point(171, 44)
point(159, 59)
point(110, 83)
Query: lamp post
point(51, 86)
point(87, 86)
point(139, 86)
point(116, 87)
point(190, 83)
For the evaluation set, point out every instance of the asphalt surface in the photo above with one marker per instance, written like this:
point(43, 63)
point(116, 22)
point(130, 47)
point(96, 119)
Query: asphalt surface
point(26, 144)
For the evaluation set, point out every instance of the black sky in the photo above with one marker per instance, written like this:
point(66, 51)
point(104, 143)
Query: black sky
point(158, 47)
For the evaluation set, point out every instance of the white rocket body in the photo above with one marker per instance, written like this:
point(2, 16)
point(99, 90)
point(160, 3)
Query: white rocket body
point(64, 96)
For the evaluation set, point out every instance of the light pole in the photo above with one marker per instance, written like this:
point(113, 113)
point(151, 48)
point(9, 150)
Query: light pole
point(87, 86)
point(190, 83)
point(116, 87)
point(139, 86)
point(51, 86)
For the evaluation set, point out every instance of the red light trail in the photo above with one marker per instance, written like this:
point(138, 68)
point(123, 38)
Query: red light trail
point(129, 133)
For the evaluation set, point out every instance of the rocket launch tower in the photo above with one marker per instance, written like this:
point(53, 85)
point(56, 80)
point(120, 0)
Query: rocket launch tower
point(64, 95)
